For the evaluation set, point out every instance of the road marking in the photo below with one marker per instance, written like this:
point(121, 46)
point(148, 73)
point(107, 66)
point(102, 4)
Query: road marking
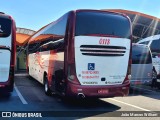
point(21, 75)
point(129, 104)
point(143, 89)
point(20, 95)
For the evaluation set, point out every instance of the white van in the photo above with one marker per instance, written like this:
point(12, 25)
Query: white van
point(141, 69)
point(154, 43)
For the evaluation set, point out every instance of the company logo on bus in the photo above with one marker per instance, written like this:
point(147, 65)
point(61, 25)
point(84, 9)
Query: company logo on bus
point(104, 41)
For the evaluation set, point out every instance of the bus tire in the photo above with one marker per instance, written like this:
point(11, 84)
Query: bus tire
point(158, 83)
point(154, 78)
point(59, 85)
point(11, 87)
point(46, 87)
point(29, 77)
point(158, 86)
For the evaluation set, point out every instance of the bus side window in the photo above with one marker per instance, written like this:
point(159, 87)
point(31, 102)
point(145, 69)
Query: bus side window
point(56, 45)
point(155, 46)
point(30, 48)
point(52, 46)
point(60, 47)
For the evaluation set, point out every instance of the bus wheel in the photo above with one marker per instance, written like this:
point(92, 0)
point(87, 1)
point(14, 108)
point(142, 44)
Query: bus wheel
point(158, 86)
point(29, 77)
point(154, 79)
point(157, 82)
point(46, 87)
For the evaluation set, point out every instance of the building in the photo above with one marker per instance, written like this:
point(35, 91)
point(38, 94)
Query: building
point(143, 25)
point(22, 35)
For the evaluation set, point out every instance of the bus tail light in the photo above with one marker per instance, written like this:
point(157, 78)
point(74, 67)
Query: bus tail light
point(72, 74)
point(127, 80)
point(128, 76)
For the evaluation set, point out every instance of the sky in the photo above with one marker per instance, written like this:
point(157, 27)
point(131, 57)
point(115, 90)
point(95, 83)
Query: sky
point(34, 14)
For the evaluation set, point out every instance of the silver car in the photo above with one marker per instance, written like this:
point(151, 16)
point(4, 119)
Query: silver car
point(141, 69)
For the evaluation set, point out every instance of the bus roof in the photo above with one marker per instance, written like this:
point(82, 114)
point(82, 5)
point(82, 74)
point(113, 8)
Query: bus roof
point(106, 11)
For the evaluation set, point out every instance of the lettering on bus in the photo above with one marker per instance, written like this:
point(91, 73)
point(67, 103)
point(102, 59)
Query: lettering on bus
point(90, 72)
point(113, 82)
point(90, 82)
point(90, 77)
point(117, 76)
point(104, 41)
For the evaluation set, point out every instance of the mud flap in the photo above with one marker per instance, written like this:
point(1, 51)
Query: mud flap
point(59, 81)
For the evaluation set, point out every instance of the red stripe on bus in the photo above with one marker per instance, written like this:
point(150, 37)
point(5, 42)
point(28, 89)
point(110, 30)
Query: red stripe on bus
point(51, 65)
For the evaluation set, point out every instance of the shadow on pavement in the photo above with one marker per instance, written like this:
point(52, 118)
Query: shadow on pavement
point(56, 106)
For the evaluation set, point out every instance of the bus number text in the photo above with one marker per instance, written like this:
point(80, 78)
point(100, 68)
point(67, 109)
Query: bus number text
point(104, 41)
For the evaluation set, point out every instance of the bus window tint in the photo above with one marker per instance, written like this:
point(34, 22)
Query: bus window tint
point(155, 46)
point(141, 55)
point(58, 28)
point(90, 23)
point(49, 38)
point(53, 45)
point(145, 43)
point(5, 27)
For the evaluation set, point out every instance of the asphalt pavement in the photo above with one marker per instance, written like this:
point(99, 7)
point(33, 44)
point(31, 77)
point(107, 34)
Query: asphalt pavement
point(28, 96)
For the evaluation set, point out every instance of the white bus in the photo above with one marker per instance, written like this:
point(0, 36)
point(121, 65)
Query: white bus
point(154, 43)
point(7, 52)
point(85, 53)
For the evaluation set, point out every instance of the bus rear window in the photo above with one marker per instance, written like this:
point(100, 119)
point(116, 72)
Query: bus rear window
point(5, 27)
point(102, 23)
point(141, 55)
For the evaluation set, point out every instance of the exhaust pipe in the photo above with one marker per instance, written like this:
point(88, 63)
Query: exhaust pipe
point(81, 95)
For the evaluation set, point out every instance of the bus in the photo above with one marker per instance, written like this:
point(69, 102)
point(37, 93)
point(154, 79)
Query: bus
point(85, 53)
point(154, 43)
point(7, 52)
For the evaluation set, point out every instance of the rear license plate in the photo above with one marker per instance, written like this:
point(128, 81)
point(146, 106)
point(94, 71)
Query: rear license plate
point(103, 91)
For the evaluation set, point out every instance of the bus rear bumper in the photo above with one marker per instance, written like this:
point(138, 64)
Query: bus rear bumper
point(97, 91)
